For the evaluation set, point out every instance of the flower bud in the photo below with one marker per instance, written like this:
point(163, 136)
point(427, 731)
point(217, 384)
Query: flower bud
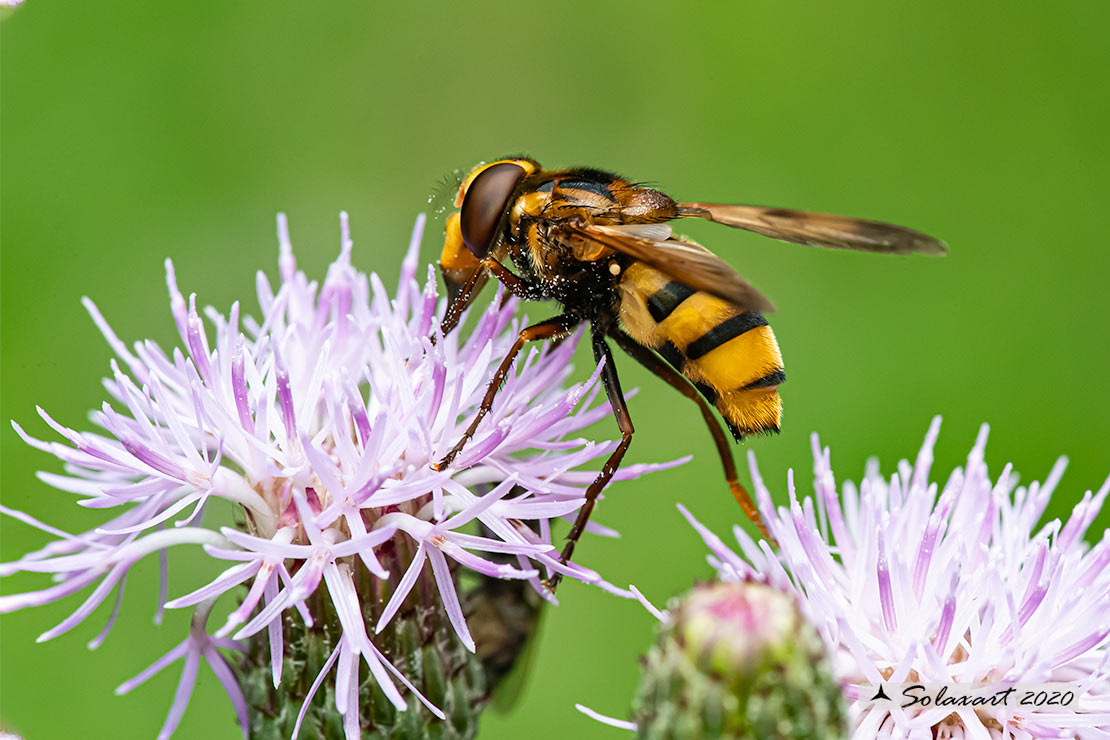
point(738, 660)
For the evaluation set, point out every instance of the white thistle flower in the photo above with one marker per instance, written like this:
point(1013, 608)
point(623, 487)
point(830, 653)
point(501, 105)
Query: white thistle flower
point(908, 581)
point(318, 424)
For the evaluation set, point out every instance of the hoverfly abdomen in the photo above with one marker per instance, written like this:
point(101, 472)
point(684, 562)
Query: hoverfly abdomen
point(730, 355)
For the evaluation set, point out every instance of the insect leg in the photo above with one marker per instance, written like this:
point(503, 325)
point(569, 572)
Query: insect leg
point(462, 299)
point(550, 329)
point(652, 362)
point(612, 385)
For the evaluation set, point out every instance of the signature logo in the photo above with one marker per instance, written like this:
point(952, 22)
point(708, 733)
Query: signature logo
point(956, 695)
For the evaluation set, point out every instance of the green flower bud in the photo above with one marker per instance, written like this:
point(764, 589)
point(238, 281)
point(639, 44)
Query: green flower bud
point(738, 660)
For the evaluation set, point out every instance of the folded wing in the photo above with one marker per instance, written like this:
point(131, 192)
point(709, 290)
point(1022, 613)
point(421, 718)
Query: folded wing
point(688, 263)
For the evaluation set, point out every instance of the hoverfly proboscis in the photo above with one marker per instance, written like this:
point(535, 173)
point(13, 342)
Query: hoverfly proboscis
point(601, 246)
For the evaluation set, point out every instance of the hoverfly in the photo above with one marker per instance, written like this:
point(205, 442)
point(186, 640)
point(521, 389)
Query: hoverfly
point(601, 246)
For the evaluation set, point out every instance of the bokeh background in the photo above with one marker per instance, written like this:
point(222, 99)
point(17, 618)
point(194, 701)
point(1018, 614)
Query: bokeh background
point(133, 131)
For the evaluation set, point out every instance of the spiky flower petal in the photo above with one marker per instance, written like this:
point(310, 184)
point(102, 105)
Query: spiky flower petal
point(955, 584)
point(318, 424)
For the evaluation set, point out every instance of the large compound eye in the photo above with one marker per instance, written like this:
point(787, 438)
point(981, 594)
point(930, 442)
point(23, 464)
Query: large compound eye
point(485, 203)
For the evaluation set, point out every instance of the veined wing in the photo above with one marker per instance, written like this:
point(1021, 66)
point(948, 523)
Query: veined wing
point(817, 229)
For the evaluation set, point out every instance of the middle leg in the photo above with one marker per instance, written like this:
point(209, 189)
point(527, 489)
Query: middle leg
point(551, 329)
point(612, 385)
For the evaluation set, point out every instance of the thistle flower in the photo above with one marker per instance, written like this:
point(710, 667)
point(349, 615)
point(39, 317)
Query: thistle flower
point(318, 424)
point(906, 585)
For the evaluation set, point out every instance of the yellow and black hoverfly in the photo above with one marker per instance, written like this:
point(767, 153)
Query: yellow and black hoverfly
point(601, 246)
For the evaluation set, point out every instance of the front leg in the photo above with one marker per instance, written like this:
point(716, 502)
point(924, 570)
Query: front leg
point(555, 328)
point(504, 275)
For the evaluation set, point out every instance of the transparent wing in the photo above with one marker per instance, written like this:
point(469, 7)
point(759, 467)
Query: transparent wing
point(817, 229)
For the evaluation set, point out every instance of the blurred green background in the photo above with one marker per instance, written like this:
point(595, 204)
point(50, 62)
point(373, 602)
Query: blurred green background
point(136, 131)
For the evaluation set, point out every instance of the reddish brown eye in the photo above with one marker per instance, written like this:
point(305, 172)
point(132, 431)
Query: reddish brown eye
point(485, 203)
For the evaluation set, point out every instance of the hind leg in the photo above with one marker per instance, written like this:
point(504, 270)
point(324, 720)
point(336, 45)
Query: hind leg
point(676, 380)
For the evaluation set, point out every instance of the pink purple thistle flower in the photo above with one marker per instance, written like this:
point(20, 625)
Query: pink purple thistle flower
point(908, 581)
point(319, 423)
